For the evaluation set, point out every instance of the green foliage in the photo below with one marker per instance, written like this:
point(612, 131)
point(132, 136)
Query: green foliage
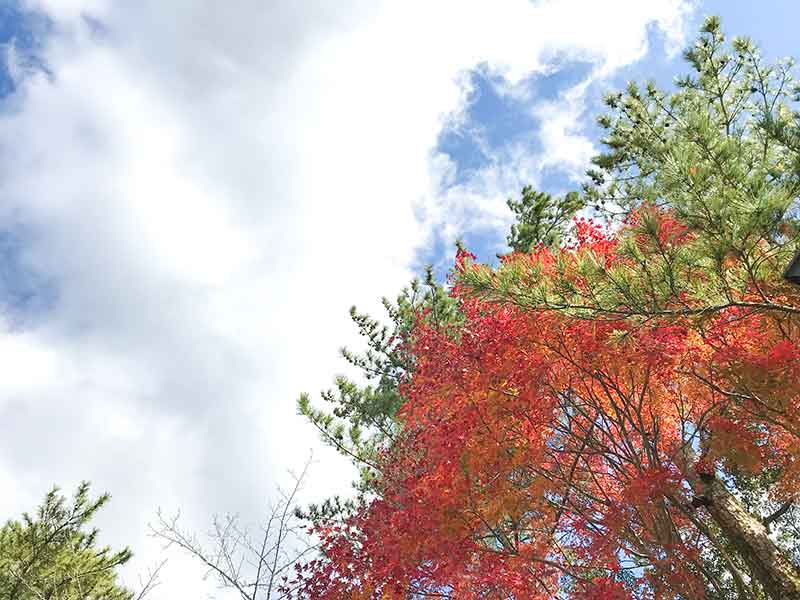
point(53, 555)
point(541, 219)
point(719, 156)
point(710, 151)
point(362, 420)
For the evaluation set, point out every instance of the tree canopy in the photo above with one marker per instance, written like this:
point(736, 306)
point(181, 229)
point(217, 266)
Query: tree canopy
point(53, 555)
point(613, 411)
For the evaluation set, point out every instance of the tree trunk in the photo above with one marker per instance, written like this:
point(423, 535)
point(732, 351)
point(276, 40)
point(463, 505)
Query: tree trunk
point(779, 577)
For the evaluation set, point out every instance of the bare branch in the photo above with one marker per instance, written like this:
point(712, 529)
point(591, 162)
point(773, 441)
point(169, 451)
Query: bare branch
point(254, 568)
point(151, 582)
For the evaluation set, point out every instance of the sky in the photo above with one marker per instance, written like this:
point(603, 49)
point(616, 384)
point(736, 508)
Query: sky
point(193, 194)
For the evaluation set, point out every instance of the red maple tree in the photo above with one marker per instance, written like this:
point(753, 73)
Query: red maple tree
point(588, 427)
point(546, 456)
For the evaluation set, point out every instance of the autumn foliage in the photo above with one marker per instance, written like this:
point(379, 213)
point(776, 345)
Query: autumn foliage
point(543, 454)
point(613, 411)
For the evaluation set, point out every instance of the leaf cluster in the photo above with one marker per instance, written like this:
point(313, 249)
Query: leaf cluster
point(53, 554)
point(362, 419)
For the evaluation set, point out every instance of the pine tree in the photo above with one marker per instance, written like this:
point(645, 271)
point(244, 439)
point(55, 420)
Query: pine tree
point(720, 157)
point(363, 417)
point(53, 555)
point(542, 219)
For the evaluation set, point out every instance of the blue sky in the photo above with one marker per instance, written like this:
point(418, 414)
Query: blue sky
point(26, 29)
point(23, 292)
point(11, 27)
point(191, 201)
point(496, 120)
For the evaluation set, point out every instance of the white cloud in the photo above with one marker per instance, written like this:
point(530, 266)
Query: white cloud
point(210, 186)
point(567, 147)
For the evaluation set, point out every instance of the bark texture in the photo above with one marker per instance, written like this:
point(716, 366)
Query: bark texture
point(779, 577)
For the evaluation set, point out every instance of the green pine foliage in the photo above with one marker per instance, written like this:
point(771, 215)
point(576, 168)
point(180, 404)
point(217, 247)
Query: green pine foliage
point(542, 219)
point(362, 418)
point(54, 555)
point(720, 154)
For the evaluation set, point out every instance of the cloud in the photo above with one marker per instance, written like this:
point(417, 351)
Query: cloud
point(606, 37)
point(208, 187)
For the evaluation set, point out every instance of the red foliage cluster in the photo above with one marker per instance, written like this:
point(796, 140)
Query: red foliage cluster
point(543, 455)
